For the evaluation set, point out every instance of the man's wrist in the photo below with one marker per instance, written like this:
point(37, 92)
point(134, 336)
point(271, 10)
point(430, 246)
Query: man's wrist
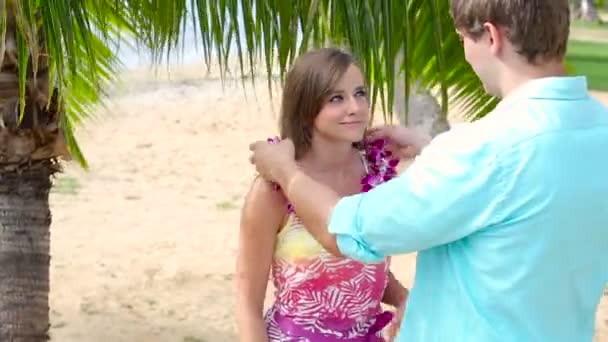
point(285, 174)
point(422, 141)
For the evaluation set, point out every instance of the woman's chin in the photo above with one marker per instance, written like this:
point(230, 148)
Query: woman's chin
point(354, 136)
point(348, 137)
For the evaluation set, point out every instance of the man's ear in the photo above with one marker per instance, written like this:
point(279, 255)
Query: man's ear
point(496, 37)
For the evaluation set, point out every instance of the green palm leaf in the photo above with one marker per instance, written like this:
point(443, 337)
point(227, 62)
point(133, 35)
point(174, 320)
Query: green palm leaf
point(74, 41)
point(376, 32)
point(63, 50)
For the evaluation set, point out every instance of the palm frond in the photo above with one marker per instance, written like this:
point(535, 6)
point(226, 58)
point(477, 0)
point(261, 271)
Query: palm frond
point(74, 40)
point(70, 42)
point(443, 68)
point(380, 33)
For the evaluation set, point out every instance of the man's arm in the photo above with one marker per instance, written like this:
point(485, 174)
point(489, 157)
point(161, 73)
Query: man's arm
point(315, 201)
point(450, 191)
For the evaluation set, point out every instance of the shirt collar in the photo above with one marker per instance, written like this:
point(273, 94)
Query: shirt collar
point(549, 88)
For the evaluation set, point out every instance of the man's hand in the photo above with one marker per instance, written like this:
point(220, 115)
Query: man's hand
point(314, 201)
point(408, 142)
point(273, 160)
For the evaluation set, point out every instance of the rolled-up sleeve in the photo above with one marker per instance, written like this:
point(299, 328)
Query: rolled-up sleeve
point(450, 191)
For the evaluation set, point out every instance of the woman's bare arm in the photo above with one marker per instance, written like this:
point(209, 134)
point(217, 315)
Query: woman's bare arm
point(395, 293)
point(261, 217)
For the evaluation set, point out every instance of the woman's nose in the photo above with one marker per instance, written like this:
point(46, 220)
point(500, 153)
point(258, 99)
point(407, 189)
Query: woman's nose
point(353, 105)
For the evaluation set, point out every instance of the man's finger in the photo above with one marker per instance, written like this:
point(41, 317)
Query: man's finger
point(378, 133)
point(252, 159)
point(374, 129)
point(254, 145)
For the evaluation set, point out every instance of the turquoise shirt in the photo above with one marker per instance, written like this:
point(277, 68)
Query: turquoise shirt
point(510, 218)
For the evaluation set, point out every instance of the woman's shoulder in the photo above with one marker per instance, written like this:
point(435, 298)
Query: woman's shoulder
point(264, 205)
point(265, 209)
point(264, 190)
point(266, 193)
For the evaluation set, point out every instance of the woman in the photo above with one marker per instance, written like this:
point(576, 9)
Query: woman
point(318, 297)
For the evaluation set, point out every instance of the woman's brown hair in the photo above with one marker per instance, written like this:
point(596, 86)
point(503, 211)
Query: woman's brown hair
point(309, 82)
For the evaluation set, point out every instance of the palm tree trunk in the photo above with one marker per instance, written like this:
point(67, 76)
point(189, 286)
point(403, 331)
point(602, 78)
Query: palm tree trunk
point(423, 111)
point(575, 9)
point(588, 11)
point(25, 220)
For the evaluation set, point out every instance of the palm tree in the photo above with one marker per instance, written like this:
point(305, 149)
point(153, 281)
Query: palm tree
point(53, 66)
point(585, 10)
point(57, 56)
point(589, 11)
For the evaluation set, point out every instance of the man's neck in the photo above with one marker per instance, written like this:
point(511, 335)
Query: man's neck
point(524, 73)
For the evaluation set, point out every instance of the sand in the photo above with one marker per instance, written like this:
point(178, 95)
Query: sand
point(144, 242)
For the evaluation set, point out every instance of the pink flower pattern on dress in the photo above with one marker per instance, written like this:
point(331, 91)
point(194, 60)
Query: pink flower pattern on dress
point(320, 297)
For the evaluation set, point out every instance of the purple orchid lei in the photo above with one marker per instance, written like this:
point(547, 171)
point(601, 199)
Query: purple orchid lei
point(381, 167)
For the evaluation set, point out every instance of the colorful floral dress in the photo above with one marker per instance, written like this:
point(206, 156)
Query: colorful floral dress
point(323, 298)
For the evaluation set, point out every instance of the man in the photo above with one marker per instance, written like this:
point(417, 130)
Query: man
point(509, 213)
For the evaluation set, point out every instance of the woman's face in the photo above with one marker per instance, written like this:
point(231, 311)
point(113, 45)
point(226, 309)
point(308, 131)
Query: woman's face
point(345, 113)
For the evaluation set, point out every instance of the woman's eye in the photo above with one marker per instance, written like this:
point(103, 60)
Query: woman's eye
point(361, 93)
point(335, 98)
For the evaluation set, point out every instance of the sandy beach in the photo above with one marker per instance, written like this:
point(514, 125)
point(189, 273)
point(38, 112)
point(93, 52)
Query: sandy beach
point(144, 242)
